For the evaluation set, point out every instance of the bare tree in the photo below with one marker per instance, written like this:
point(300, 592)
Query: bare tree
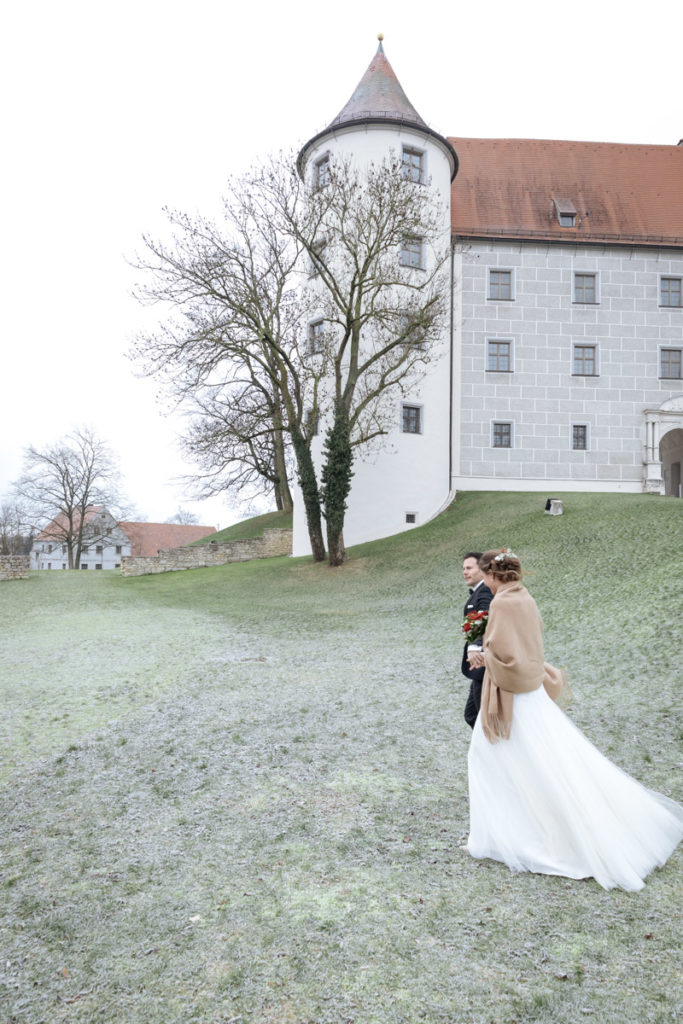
point(233, 441)
point(64, 482)
point(237, 335)
point(184, 517)
point(16, 538)
point(267, 358)
point(378, 252)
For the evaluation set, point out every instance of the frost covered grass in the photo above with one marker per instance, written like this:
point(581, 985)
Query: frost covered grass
point(237, 794)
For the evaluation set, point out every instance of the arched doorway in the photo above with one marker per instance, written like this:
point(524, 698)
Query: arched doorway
point(671, 455)
point(663, 463)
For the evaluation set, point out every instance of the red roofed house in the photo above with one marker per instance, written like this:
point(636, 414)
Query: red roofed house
point(561, 367)
point(105, 541)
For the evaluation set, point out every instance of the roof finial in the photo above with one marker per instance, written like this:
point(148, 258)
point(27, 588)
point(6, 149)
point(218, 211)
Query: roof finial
point(380, 36)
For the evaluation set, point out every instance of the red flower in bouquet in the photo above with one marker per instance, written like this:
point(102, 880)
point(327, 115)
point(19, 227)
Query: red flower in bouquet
point(474, 625)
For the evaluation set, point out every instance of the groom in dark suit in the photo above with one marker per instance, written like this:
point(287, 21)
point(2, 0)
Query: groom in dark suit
point(479, 599)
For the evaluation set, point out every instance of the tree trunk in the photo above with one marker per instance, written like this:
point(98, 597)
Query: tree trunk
point(283, 495)
point(336, 479)
point(309, 490)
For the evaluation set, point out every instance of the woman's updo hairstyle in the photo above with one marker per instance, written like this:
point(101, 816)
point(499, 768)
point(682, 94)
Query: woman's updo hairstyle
point(503, 564)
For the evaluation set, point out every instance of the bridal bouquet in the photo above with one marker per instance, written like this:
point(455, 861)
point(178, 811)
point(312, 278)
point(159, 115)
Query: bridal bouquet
point(474, 625)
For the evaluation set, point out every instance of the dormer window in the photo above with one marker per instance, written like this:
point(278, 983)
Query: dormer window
point(566, 213)
point(322, 171)
point(413, 164)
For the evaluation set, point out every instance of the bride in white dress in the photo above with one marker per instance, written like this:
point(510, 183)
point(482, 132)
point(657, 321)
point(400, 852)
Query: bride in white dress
point(542, 797)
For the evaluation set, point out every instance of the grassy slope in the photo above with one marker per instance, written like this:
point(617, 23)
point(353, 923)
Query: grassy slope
point(248, 528)
point(238, 793)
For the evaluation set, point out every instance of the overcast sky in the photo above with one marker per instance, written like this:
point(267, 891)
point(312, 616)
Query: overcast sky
point(111, 112)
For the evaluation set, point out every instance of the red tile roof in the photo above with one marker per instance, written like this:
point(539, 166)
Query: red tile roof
point(622, 193)
point(379, 94)
point(150, 538)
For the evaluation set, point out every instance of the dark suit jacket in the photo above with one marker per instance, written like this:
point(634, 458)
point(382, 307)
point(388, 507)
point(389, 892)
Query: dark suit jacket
point(479, 600)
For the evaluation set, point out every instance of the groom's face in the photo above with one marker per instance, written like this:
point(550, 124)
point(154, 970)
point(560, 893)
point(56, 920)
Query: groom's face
point(471, 572)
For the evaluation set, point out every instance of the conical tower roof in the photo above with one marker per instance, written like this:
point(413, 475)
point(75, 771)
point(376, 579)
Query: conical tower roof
point(379, 95)
point(378, 99)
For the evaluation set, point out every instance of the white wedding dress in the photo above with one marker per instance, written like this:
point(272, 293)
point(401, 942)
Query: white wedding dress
point(547, 800)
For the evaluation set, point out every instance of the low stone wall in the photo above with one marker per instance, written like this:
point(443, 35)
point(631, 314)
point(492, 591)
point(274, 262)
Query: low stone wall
point(14, 567)
point(271, 544)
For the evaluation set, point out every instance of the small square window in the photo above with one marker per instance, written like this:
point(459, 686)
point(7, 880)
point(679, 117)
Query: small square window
point(84, 565)
point(498, 356)
point(670, 363)
point(98, 565)
point(412, 419)
point(567, 220)
point(500, 284)
point(586, 288)
point(580, 437)
point(501, 435)
point(411, 517)
point(322, 172)
point(316, 336)
point(412, 252)
point(585, 361)
point(413, 164)
point(670, 291)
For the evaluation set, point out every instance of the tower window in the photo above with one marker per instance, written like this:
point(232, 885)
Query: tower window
point(412, 253)
point(580, 437)
point(322, 172)
point(316, 336)
point(413, 164)
point(412, 419)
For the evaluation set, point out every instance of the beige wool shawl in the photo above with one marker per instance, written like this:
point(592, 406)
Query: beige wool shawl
point(513, 647)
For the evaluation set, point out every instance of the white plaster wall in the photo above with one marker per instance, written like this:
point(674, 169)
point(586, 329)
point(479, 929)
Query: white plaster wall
point(541, 397)
point(403, 473)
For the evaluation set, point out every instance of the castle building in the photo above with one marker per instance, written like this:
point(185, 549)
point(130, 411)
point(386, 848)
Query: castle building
point(562, 368)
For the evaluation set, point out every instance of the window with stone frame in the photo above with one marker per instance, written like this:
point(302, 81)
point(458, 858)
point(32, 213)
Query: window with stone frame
point(413, 164)
point(500, 284)
point(316, 336)
point(670, 292)
point(670, 363)
point(586, 288)
point(412, 252)
point(585, 360)
point(580, 437)
point(322, 171)
point(501, 434)
point(411, 419)
point(498, 355)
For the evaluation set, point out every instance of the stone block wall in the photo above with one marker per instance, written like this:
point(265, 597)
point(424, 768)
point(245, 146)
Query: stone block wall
point(14, 567)
point(540, 395)
point(271, 544)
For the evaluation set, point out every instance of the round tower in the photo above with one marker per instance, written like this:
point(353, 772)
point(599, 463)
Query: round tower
point(404, 480)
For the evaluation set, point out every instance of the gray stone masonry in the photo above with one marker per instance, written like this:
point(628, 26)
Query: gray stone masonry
point(14, 567)
point(270, 545)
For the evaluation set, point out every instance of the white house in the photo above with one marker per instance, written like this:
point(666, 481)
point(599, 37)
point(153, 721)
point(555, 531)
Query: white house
point(562, 365)
point(106, 541)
